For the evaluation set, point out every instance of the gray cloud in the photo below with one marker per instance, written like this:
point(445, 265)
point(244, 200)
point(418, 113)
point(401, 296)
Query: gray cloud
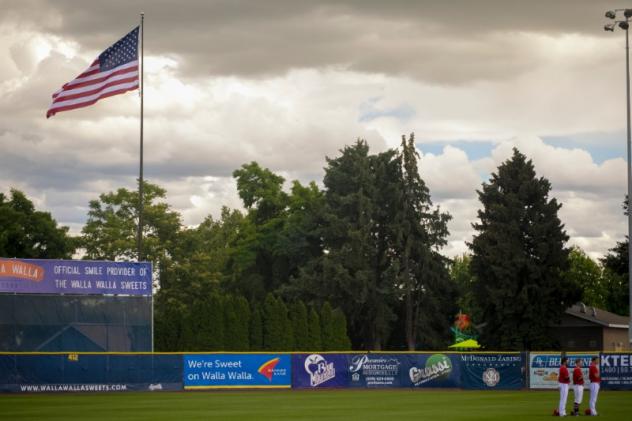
point(428, 40)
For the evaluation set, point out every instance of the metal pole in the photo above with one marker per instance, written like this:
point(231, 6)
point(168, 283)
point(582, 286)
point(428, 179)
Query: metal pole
point(140, 178)
point(627, 91)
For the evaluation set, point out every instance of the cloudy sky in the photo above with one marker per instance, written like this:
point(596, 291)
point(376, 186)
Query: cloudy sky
point(289, 82)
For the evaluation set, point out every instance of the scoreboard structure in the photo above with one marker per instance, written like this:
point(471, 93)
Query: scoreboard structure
point(75, 306)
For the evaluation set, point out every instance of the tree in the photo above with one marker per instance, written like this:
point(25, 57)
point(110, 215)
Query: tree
point(462, 277)
point(199, 255)
point(242, 330)
point(254, 267)
point(111, 230)
point(231, 326)
point(616, 278)
point(327, 327)
point(256, 329)
point(288, 331)
point(274, 338)
point(314, 340)
point(519, 258)
point(204, 324)
point(170, 320)
point(355, 273)
point(298, 317)
point(341, 340)
point(31, 234)
point(589, 277)
point(420, 232)
point(261, 191)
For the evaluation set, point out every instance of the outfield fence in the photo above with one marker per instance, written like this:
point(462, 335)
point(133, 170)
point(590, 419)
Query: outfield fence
point(118, 372)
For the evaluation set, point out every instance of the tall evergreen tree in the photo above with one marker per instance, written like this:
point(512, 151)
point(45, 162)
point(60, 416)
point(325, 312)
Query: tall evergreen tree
point(327, 327)
point(340, 340)
point(287, 343)
point(212, 315)
point(274, 338)
point(519, 258)
point(169, 320)
point(204, 324)
point(242, 330)
point(298, 317)
point(231, 326)
point(314, 339)
point(256, 329)
point(423, 277)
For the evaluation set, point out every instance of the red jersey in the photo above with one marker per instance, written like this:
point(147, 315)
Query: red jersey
point(578, 376)
point(564, 377)
point(593, 373)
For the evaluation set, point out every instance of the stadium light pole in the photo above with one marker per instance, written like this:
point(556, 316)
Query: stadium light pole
point(624, 24)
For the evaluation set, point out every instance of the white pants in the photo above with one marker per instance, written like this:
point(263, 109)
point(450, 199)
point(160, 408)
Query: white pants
point(594, 391)
point(563, 398)
point(578, 392)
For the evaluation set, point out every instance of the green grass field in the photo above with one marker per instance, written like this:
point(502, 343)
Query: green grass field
point(389, 405)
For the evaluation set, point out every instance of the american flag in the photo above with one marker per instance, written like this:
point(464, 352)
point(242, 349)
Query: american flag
point(114, 72)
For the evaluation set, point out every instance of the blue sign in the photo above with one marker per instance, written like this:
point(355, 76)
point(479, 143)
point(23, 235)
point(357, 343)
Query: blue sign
point(492, 371)
point(376, 370)
point(75, 277)
point(616, 370)
point(221, 371)
point(320, 370)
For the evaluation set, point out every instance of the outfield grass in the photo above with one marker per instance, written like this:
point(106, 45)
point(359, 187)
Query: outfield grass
point(389, 405)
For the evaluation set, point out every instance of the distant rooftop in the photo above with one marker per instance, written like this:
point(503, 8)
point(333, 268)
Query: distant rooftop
point(598, 316)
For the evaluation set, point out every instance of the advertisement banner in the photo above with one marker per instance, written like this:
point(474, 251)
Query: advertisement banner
point(223, 371)
point(543, 368)
point(492, 371)
point(320, 370)
point(75, 277)
point(616, 370)
point(376, 370)
point(431, 370)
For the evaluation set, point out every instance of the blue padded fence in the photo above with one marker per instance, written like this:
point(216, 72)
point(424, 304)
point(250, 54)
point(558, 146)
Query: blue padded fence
point(55, 372)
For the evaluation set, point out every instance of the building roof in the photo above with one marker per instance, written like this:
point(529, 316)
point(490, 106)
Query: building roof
point(598, 316)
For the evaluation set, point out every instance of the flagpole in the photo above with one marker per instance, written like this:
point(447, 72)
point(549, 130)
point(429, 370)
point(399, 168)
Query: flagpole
point(140, 178)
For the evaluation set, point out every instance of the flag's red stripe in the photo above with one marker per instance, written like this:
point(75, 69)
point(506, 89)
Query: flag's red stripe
point(67, 88)
point(94, 91)
point(90, 72)
point(53, 111)
point(78, 80)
